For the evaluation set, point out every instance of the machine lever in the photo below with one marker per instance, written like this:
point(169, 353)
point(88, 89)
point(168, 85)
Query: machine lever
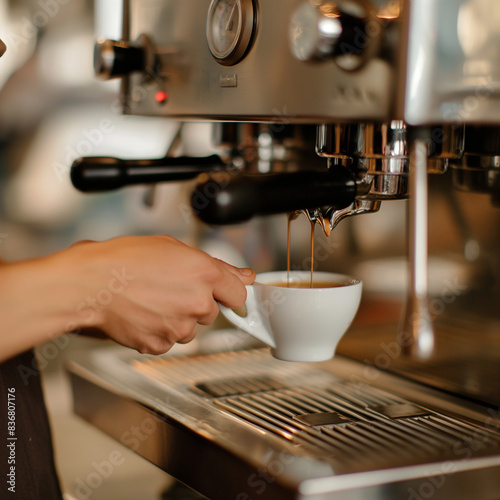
point(102, 173)
point(233, 198)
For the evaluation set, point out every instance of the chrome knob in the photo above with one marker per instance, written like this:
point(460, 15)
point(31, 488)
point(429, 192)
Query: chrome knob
point(344, 30)
point(113, 59)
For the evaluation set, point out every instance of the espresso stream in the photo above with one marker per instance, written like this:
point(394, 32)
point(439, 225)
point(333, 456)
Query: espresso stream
point(291, 217)
point(302, 284)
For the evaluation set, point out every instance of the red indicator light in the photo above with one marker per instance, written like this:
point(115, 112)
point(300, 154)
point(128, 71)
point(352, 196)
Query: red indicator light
point(161, 96)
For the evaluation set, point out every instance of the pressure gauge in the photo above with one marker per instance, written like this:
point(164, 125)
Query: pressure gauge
point(230, 28)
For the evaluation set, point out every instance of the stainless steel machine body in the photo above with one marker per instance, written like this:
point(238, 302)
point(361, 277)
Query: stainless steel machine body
point(267, 84)
point(242, 425)
point(397, 90)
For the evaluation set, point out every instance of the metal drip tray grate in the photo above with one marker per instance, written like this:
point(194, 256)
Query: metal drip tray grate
point(232, 387)
point(275, 430)
point(355, 429)
point(353, 425)
point(229, 373)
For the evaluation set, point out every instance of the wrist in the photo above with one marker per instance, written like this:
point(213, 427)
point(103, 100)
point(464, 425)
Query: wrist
point(94, 281)
point(33, 306)
point(75, 271)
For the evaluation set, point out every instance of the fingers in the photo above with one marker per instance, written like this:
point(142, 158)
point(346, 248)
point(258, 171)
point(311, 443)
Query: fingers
point(81, 242)
point(245, 274)
point(187, 337)
point(162, 342)
point(177, 289)
point(230, 289)
point(208, 315)
point(154, 344)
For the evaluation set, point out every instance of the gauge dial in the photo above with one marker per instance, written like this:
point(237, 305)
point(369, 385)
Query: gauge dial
point(230, 29)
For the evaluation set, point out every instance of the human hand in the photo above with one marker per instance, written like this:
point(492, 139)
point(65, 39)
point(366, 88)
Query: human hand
point(149, 292)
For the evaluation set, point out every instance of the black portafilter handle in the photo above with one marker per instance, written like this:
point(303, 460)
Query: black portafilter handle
point(101, 173)
point(230, 199)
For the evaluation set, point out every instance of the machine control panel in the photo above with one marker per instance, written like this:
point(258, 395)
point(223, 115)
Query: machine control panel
point(230, 29)
point(116, 58)
point(345, 31)
point(231, 60)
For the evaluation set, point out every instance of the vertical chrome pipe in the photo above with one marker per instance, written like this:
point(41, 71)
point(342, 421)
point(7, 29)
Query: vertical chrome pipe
point(125, 82)
point(416, 333)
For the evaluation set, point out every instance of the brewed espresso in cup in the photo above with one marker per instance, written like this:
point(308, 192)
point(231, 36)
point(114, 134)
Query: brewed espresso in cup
point(299, 324)
point(307, 284)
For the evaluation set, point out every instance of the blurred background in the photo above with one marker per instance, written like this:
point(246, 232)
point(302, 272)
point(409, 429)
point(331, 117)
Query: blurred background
point(52, 111)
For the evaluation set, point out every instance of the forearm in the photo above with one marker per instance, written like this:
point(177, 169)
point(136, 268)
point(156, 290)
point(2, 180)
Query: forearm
point(146, 293)
point(38, 302)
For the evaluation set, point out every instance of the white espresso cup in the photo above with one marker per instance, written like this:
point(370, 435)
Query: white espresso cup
point(298, 322)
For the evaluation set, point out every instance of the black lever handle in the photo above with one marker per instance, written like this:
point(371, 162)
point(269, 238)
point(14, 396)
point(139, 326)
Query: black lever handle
point(225, 199)
point(102, 173)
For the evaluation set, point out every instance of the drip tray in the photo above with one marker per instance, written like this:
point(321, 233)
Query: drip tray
point(260, 428)
point(331, 423)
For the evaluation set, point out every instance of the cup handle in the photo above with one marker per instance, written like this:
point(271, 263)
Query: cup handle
point(252, 323)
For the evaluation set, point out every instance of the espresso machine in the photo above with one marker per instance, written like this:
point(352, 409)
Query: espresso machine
point(327, 109)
